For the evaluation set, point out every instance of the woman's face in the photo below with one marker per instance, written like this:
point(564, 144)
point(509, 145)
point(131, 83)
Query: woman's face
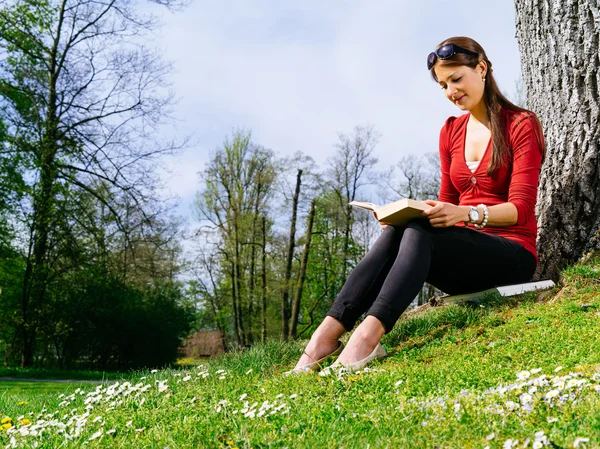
point(462, 85)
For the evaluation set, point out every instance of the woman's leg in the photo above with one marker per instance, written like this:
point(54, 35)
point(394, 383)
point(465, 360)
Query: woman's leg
point(456, 260)
point(323, 341)
point(365, 281)
point(356, 296)
point(401, 285)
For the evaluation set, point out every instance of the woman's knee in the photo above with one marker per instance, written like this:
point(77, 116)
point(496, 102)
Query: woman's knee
point(419, 224)
point(390, 234)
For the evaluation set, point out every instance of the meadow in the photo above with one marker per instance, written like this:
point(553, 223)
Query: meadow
point(503, 373)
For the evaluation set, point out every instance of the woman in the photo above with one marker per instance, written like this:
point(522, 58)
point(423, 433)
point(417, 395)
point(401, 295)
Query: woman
point(480, 233)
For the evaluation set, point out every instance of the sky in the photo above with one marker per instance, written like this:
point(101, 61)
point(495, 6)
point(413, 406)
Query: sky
point(298, 72)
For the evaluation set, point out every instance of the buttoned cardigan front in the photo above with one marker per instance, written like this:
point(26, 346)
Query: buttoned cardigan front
point(516, 182)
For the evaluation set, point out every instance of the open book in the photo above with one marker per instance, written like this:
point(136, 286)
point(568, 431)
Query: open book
point(397, 213)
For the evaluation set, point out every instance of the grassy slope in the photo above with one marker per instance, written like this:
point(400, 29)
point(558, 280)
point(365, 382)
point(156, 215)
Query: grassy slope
point(432, 391)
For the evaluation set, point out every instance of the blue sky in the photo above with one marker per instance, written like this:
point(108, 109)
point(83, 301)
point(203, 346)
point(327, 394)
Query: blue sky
point(297, 72)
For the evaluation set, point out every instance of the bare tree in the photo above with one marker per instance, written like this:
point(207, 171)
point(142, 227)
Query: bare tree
point(348, 172)
point(559, 46)
point(207, 286)
point(414, 177)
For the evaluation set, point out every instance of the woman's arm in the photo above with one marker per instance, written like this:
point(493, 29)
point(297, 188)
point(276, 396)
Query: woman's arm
point(442, 215)
point(527, 142)
point(527, 159)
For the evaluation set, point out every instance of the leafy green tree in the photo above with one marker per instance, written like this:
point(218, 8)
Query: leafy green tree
point(238, 183)
point(82, 99)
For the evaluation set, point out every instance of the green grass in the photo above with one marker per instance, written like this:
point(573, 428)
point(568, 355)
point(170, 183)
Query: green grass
point(450, 381)
point(22, 391)
point(43, 373)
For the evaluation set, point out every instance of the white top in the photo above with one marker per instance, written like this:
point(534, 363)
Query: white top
point(473, 165)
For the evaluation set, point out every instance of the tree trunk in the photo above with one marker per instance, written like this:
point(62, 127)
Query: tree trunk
point(302, 274)
point(237, 278)
point(234, 306)
point(252, 280)
point(43, 207)
point(285, 305)
point(558, 42)
point(263, 323)
point(347, 231)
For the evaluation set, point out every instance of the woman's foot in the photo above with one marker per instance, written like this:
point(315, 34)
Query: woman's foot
point(338, 368)
point(363, 341)
point(316, 350)
point(324, 341)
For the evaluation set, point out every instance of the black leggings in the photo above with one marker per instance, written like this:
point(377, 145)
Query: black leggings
point(455, 260)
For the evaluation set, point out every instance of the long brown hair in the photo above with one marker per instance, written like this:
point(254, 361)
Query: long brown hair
point(498, 107)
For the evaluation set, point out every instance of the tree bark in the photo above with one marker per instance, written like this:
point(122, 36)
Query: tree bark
point(285, 305)
point(558, 42)
point(302, 274)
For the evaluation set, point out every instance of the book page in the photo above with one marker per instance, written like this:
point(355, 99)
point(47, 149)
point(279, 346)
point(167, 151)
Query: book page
point(364, 205)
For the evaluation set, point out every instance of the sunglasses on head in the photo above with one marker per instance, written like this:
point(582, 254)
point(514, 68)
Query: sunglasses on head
point(446, 52)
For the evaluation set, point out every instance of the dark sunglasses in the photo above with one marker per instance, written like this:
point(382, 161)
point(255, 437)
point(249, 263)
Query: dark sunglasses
point(446, 52)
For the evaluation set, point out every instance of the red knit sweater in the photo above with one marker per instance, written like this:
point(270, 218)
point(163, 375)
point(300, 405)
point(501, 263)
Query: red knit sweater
point(515, 183)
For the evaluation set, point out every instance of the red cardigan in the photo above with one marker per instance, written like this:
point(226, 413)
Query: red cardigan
point(515, 183)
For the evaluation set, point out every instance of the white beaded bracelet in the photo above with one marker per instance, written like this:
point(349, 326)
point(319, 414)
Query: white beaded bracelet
point(485, 217)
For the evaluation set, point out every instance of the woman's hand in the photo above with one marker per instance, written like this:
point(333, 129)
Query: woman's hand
point(383, 225)
point(444, 215)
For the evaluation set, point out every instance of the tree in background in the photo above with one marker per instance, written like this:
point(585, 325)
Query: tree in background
point(303, 219)
point(297, 302)
point(414, 177)
point(229, 202)
point(559, 47)
point(298, 184)
point(81, 101)
point(286, 307)
point(349, 171)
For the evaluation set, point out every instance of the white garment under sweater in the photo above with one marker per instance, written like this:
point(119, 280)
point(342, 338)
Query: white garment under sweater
point(473, 165)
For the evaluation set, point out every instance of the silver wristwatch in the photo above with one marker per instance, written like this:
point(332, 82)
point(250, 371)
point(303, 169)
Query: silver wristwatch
point(473, 215)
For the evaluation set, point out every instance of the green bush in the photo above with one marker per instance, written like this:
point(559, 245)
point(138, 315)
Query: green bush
point(104, 323)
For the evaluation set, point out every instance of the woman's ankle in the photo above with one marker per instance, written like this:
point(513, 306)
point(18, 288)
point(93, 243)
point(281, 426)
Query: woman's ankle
point(321, 344)
point(316, 350)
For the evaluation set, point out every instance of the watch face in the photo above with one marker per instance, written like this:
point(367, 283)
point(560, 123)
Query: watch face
point(474, 215)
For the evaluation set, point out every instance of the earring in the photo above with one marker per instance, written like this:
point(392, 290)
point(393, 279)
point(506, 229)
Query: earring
point(483, 79)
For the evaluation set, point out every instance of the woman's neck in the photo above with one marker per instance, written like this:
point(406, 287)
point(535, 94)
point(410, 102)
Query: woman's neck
point(479, 115)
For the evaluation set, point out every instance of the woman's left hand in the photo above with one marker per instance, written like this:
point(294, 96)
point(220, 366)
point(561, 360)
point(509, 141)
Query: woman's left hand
point(444, 215)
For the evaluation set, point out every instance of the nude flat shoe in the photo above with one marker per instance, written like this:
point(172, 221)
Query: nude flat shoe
point(315, 366)
point(377, 353)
